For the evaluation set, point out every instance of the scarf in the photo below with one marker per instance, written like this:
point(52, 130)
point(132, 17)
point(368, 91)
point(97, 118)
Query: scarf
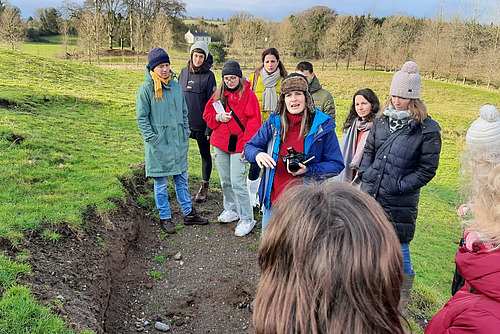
point(157, 80)
point(398, 119)
point(364, 127)
point(270, 94)
point(352, 151)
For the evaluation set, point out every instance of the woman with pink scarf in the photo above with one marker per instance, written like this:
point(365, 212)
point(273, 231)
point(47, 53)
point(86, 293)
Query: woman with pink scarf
point(365, 106)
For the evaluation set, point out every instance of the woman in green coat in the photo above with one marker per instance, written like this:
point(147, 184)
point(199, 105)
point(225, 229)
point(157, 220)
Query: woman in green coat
point(163, 122)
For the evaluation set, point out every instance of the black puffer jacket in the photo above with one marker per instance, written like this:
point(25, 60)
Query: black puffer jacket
point(395, 167)
point(198, 87)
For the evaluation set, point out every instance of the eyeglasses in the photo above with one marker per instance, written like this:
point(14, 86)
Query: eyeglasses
point(230, 78)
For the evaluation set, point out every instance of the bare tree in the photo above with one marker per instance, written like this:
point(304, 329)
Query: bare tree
point(286, 36)
point(161, 33)
point(368, 42)
point(11, 27)
point(110, 10)
point(334, 41)
point(400, 34)
point(248, 37)
point(91, 34)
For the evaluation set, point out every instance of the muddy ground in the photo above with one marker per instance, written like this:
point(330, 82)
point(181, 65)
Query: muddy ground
point(122, 273)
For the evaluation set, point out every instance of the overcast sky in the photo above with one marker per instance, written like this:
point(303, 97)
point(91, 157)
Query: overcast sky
point(489, 10)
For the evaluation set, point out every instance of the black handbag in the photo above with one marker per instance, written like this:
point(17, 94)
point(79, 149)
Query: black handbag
point(233, 138)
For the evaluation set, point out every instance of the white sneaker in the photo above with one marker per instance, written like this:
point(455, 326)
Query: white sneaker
point(244, 227)
point(228, 216)
point(253, 191)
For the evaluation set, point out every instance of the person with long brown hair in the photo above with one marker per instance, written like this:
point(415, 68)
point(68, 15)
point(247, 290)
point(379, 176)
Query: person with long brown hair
point(330, 262)
point(364, 107)
point(295, 125)
point(266, 82)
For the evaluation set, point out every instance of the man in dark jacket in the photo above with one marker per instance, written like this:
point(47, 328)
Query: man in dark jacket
point(323, 100)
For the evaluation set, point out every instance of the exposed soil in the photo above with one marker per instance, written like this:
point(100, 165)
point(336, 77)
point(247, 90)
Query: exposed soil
point(120, 275)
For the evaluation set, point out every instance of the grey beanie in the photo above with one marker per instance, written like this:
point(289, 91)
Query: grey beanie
point(406, 83)
point(231, 67)
point(156, 57)
point(202, 45)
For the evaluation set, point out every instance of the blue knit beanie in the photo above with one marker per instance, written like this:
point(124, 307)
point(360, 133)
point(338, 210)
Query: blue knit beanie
point(156, 57)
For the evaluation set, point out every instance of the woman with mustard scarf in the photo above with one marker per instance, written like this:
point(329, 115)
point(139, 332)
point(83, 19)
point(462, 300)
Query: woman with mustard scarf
point(162, 117)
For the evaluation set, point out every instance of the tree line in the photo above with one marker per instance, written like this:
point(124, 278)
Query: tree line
point(455, 49)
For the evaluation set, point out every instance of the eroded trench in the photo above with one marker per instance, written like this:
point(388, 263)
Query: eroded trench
point(83, 276)
point(101, 276)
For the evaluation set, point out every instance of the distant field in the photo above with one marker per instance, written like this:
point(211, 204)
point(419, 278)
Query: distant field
point(78, 125)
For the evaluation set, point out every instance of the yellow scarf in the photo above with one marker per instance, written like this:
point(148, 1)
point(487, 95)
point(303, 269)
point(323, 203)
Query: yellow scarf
point(157, 80)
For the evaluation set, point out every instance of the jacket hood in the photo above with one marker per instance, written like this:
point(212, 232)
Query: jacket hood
point(314, 85)
point(481, 270)
point(149, 78)
point(205, 67)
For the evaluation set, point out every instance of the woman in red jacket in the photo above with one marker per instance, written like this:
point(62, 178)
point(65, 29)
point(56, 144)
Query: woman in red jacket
point(233, 113)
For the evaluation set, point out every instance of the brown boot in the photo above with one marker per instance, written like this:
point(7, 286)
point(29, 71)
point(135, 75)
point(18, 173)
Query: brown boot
point(167, 225)
point(193, 218)
point(201, 196)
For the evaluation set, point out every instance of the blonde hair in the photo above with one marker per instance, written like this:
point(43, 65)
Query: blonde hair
point(330, 263)
point(485, 185)
point(416, 106)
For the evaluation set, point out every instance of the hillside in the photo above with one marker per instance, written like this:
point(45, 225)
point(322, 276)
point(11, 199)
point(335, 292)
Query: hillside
point(78, 228)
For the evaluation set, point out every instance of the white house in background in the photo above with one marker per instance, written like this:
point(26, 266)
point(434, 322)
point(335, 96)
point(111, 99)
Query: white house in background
point(195, 36)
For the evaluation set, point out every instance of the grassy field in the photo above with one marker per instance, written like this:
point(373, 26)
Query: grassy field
point(80, 135)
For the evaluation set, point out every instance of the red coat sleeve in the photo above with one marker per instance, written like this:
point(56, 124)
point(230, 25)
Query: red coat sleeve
point(210, 113)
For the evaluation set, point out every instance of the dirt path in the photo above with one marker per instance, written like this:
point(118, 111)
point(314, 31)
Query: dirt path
point(122, 275)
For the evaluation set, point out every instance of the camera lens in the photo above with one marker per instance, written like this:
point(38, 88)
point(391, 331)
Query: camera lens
point(293, 165)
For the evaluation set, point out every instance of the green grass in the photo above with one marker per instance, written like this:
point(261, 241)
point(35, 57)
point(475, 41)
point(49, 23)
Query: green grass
point(80, 135)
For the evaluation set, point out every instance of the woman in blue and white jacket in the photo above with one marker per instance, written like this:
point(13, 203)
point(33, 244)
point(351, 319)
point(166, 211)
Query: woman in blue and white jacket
point(295, 123)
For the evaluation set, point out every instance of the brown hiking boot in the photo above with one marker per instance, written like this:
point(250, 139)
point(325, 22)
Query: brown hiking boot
point(140, 165)
point(201, 196)
point(167, 225)
point(193, 218)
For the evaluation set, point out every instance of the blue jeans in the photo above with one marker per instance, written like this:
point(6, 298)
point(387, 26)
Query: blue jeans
point(266, 215)
point(232, 170)
point(405, 249)
point(181, 189)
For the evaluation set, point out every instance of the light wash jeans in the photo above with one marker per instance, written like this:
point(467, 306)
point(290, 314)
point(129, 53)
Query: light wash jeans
point(232, 170)
point(181, 189)
point(405, 250)
point(266, 215)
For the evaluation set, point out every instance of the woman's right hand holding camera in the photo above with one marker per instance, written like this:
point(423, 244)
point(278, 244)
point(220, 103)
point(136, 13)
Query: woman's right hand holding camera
point(265, 160)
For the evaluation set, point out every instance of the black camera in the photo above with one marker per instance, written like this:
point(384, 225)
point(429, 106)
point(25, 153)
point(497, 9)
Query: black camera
point(294, 158)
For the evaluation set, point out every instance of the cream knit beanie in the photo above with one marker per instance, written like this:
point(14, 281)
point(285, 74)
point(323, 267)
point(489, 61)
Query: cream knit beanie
point(484, 132)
